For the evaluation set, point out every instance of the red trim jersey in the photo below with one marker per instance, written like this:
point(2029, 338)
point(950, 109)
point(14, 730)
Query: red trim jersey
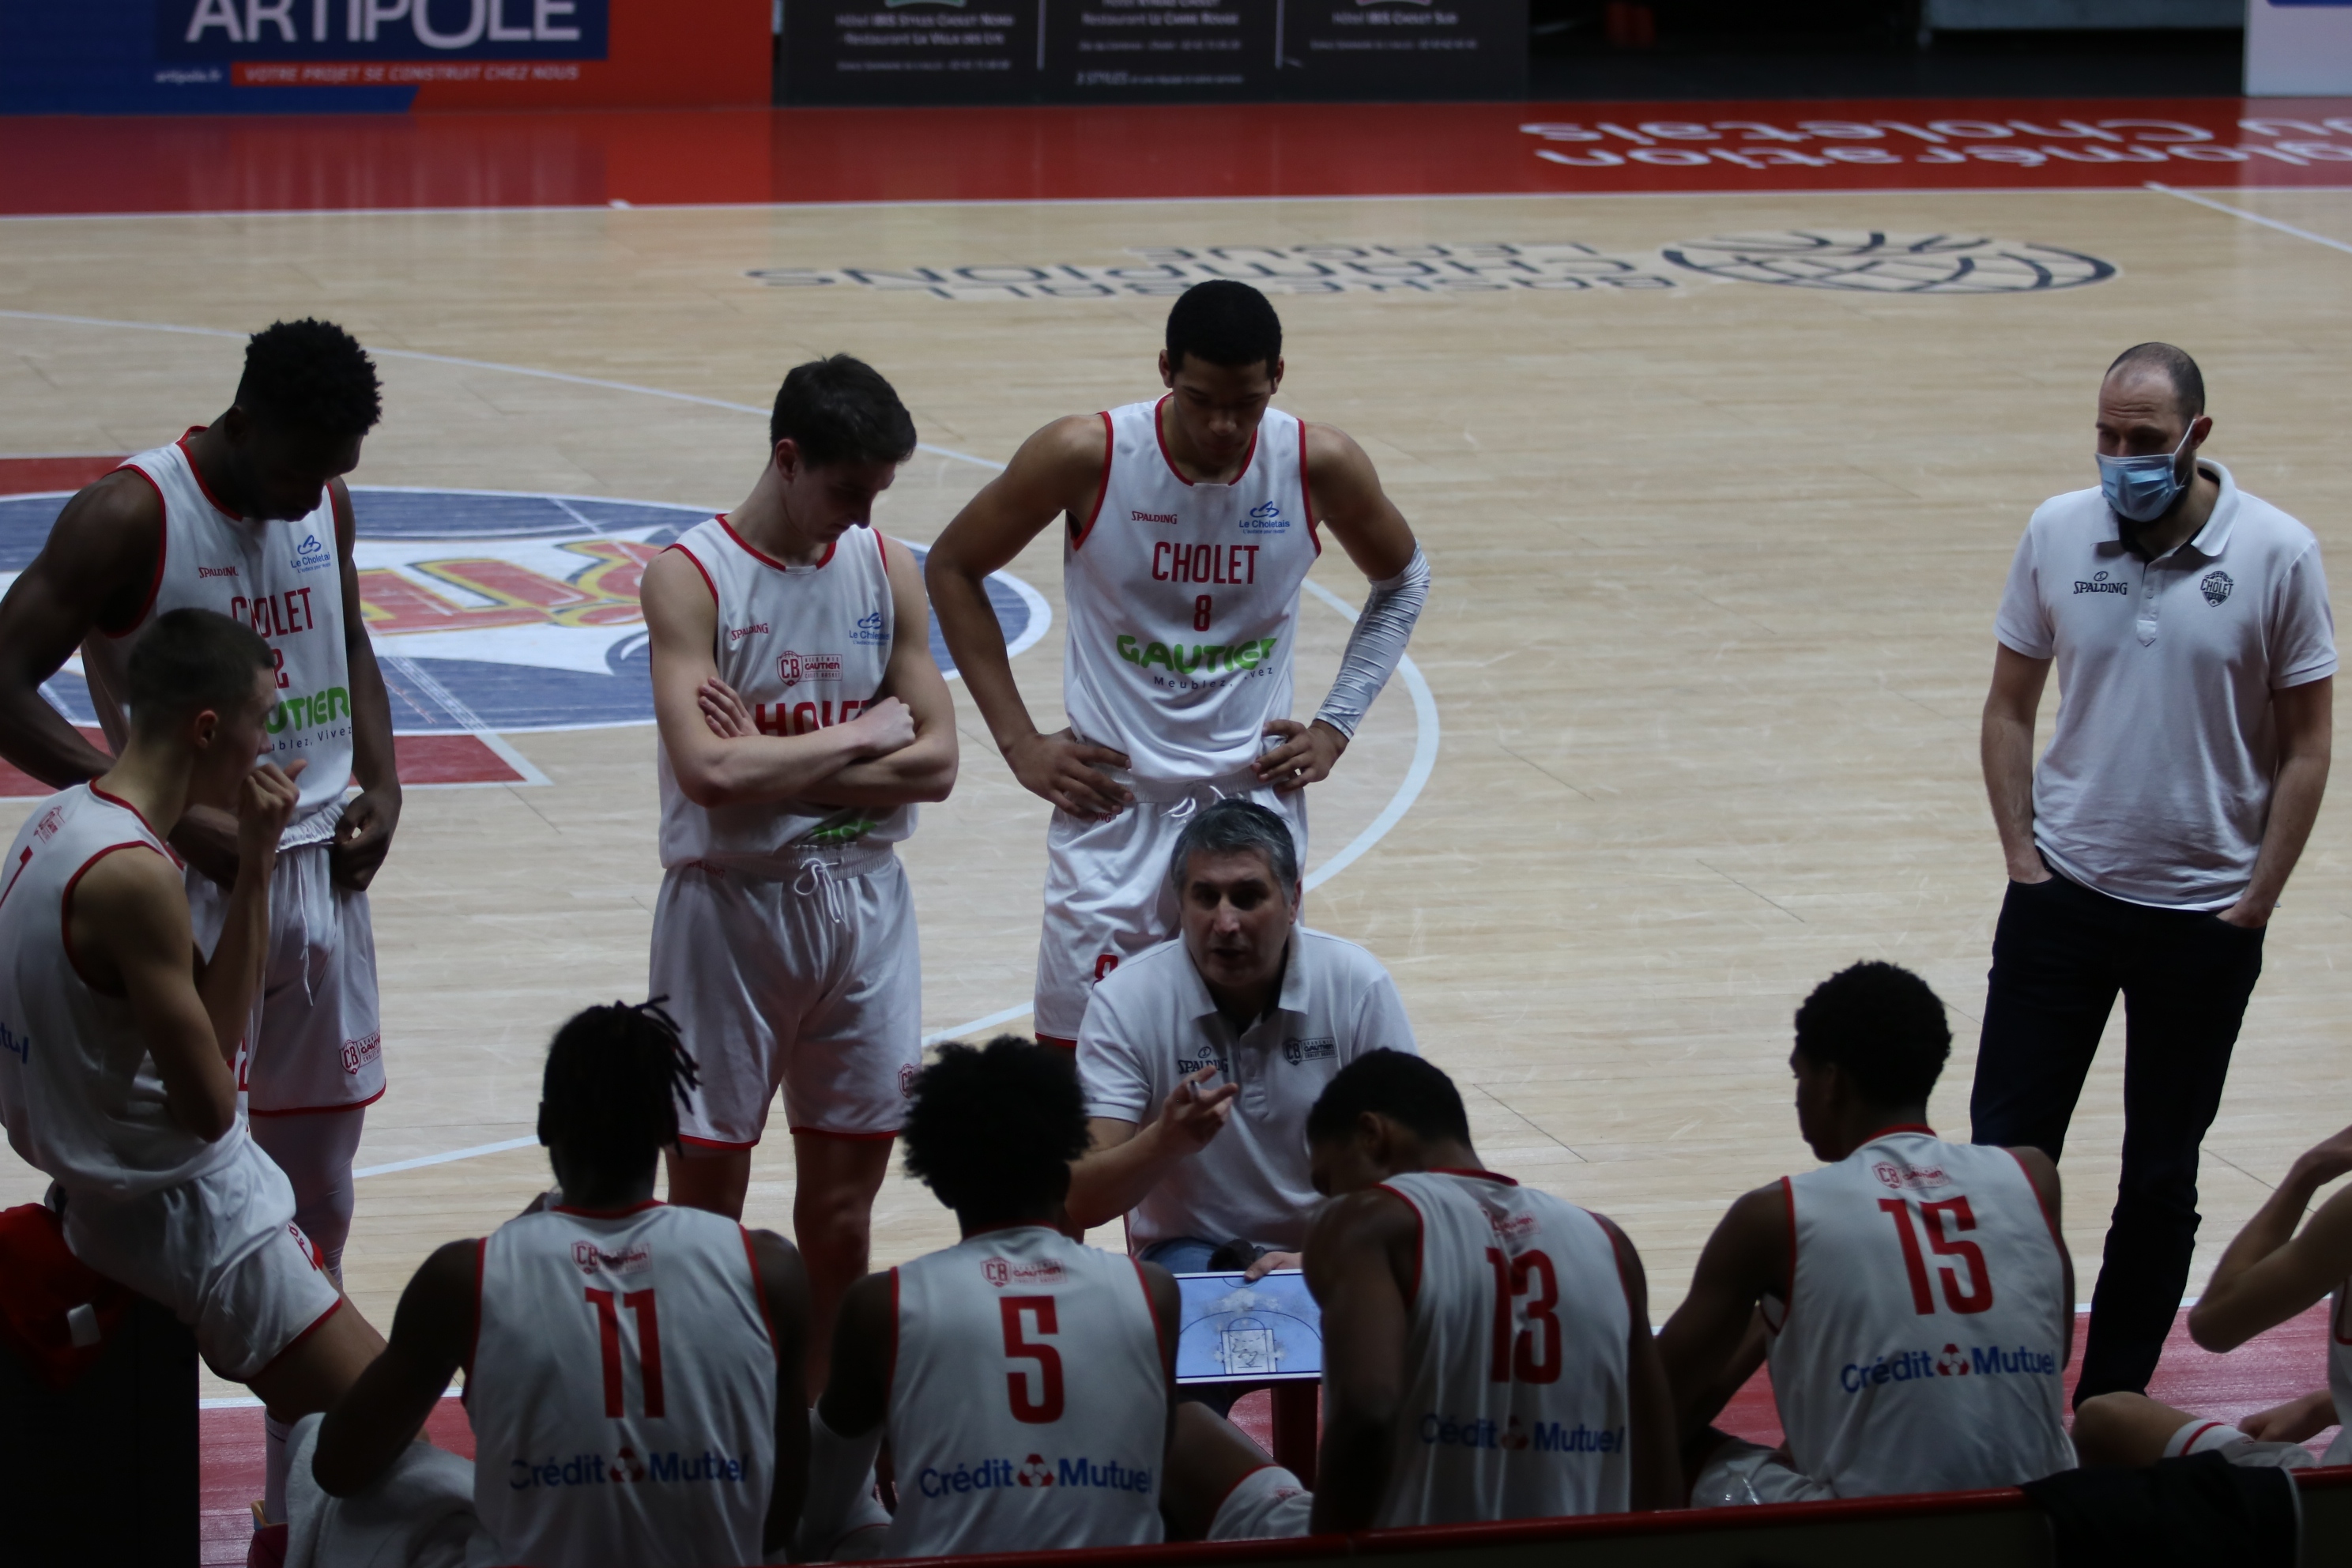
point(79, 1090)
point(806, 648)
point(1924, 1344)
point(1516, 1363)
point(1028, 1400)
point(1184, 600)
point(285, 581)
point(622, 1390)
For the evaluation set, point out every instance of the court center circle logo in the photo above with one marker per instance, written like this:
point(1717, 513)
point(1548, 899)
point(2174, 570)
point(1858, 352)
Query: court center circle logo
point(1874, 261)
point(503, 610)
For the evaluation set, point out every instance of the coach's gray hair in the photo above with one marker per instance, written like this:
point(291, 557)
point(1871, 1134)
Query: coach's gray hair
point(1234, 825)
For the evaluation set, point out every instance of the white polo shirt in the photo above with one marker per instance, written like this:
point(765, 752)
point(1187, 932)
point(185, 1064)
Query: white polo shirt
point(1150, 1023)
point(2157, 782)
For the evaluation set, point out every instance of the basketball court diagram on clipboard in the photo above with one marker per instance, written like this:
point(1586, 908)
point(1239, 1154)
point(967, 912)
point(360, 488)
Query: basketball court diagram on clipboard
point(1231, 1330)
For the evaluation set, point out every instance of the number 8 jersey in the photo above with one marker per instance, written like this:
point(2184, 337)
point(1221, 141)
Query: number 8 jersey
point(1516, 1374)
point(1924, 1343)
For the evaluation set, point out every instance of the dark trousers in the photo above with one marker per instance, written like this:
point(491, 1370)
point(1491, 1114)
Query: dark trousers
point(2059, 955)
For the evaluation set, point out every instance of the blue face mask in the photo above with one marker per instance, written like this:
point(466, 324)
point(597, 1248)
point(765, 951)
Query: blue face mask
point(2140, 489)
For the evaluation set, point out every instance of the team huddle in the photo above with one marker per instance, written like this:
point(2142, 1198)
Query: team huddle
point(651, 1382)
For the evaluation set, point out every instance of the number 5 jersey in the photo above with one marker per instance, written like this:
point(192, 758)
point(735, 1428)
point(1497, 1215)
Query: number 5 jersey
point(1923, 1346)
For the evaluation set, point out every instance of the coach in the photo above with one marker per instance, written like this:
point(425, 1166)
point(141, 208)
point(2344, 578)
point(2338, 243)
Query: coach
point(2195, 657)
point(1231, 1031)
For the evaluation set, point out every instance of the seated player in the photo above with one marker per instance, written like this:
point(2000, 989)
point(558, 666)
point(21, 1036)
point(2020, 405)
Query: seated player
point(1914, 1296)
point(117, 1037)
point(2270, 1273)
point(1486, 1349)
point(1222, 1487)
point(1023, 1380)
point(633, 1368)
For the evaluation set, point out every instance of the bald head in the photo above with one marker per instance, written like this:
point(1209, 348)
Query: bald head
point(2164, 363)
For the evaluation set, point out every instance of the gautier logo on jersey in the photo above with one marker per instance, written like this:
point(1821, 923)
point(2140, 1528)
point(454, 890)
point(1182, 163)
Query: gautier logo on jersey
point(1546, 1438)
point(1035, 1470)
point(1913, 1366)
point(1202, 657)
point(1023, 1271)
point(791, 668)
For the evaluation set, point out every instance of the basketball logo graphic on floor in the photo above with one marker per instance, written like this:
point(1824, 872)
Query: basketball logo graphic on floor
point(500, 610)
point(1874, 262)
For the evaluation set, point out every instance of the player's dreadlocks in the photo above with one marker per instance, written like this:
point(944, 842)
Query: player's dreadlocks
point(310, 374)
point(615, 1078)
point(993, 1131)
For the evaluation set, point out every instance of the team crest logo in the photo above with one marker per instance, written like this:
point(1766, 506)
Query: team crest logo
point(907, 1082)
point(2217, 586)
point(793, 668)
point(997, 1270)
point(1035, 1472)
point(1953, 1362)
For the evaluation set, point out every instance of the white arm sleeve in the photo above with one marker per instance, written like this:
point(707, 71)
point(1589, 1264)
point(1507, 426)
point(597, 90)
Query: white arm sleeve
point(1376, 645)
point(840, 1490)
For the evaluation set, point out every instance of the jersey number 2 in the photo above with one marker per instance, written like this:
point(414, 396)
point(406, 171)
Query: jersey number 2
point(1973, 1297)
point(1047, 1407)
point(1532, 1354)
point(639, 1304)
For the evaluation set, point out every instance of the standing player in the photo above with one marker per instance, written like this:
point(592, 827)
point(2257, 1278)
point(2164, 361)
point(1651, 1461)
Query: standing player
point(1190, 524)
point(801, 718)
point(248, 516)
point(1914, 1295)
point(1025, 1381)
point(1486, 1350)
point(117, 1035)
point(632, 1370)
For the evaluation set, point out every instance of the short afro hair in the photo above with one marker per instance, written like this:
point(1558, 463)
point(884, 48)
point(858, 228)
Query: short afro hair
point(2175, 365)
point(1402, 1087)
point(840, 410)
point(312, 377)
point(191, 660)
point(616, 1077)
point(991, 1131)
point(1225, 322)
point(1879, 1024)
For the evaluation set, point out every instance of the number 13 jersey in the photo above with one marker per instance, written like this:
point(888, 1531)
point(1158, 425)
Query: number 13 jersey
point(1028, 1400)
point(1184, 599)
point(1924, 1343)
point(1517, 1375)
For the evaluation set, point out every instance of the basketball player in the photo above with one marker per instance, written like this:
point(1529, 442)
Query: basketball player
point(1914, 1295)
point(118, 1036)
point(248, 516)
point(2270, 1273)
point(801, 718)
point(633, 1369)
point(1190, 524)
point(1024, 1381)
point(1486, 1350)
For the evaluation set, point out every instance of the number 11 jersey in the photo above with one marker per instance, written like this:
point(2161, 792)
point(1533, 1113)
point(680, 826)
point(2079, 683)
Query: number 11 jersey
point(1923, 1346)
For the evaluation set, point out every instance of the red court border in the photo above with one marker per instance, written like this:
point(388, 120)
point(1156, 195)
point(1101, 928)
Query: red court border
point(58, 165)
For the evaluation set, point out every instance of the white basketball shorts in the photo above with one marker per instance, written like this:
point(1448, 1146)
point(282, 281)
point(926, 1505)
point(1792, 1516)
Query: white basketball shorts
point(1741, 1472)
point(2221, 1437)
point(1106, 892)
point(1266, 1504)
point(806, 974)
point(222, 1251)
point(315, 1043)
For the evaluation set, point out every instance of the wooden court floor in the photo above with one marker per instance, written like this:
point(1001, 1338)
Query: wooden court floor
point(1716, 570)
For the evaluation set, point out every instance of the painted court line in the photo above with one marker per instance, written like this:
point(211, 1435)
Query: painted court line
point(445, 1158)
point(2252, 217)
point(467, 720)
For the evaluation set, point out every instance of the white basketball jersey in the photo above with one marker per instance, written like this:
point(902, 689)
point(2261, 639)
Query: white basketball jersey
point(806, 648)
point(78, 1089)
point(1028, 1399)
point(622, 1391)
point(2339, 1373)
point(1184, 600)
point(285, 581)
point(1924, 1343)
point(1516, 1382)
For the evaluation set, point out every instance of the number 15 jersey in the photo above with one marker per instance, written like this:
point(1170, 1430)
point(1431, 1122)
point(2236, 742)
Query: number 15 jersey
point(1924, 1343)
point(1516, 1366)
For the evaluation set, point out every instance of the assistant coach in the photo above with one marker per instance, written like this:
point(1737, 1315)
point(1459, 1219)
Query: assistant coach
point(2195, 657)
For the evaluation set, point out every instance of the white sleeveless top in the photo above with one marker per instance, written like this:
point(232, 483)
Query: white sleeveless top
point(805, 647)
point(1526, 1424)
point(285, 581)
point(1028, 1399)
point(1924, 1345)
point(1184, 600)
point(78, 1089)
point(623, 1392)
point(2339, 1373)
